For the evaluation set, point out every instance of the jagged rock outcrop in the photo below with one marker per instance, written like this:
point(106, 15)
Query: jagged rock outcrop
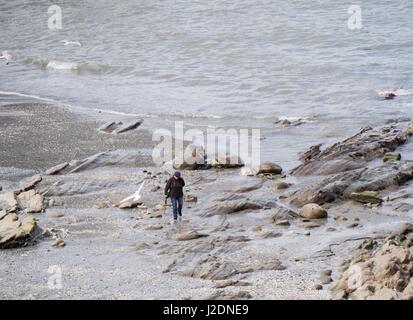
point(355, 151)
point(380, 271)
point(342, 185)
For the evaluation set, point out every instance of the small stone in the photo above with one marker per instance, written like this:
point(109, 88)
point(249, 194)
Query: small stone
point(153, 215)
point(318, 287)
point(325, 279)
point(327, 272)
point(101, 205)
point(340, 217)
point(353, 225)
point(282, 185)
point(154, 227)
point(246, 172)
point(296, 259)
point(159, 207)
point(190, 198)
point(58, 243)
point(282, 223)
point(271, 234)
point(266, 168)
point(331, 229)
point(307, 233)
point(392, 156)
point(310, 225)
point(372, 197)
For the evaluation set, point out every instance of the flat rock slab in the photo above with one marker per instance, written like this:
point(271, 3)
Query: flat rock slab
point(31, 182)
point(57, 169)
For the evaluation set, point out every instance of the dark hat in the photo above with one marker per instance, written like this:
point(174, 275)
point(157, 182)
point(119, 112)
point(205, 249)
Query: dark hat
point(177, 174)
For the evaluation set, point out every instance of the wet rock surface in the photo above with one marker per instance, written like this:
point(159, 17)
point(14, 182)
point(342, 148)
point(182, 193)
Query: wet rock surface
point(342, 185)
point(354, 152)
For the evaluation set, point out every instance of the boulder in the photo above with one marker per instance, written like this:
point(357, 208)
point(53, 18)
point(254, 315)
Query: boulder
point(366, 197)
point(245, 171)
point(227, 161)
point(16, 232)
point(266, 168)
point(31, 201)
point(312, 211)
point(282, 213)
point(193, 158)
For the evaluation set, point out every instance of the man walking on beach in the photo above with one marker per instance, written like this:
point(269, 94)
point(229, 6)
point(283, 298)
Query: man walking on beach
point(174, 189)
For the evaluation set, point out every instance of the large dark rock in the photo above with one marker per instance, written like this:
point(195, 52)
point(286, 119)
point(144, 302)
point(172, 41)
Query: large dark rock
point(342, 185)
point(354, 152)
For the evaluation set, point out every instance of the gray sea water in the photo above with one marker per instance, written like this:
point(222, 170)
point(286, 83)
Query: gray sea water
point(218, 63)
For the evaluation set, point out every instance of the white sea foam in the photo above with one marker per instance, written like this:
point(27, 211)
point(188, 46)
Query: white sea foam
point(397, 92)
point(71, 43)
point(62, 65)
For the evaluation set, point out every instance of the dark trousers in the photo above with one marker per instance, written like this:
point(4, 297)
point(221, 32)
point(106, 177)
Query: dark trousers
point(177, 204)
